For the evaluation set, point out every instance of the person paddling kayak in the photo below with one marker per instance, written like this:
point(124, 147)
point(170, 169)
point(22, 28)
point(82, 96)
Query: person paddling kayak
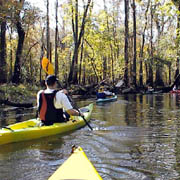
point(51, 103)
point(103, 93)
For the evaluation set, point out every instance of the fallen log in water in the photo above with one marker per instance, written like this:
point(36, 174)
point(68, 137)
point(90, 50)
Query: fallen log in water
point(10, 103)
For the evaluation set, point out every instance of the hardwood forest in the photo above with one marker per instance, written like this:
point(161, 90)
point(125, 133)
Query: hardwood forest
point(137, 41)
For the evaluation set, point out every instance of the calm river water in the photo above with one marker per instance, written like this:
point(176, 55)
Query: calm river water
point(137, 137)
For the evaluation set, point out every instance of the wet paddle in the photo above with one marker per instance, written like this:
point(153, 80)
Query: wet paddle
point(48, 68)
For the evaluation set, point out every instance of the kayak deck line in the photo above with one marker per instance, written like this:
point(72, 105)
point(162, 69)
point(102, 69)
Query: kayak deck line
point(31, 129)
point(76, 167)
point(8, 128)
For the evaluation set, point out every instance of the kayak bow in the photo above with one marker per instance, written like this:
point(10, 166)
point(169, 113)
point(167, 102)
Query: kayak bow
point(76, 167)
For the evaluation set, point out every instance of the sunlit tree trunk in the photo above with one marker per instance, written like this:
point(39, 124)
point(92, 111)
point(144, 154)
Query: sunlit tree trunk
point(105, 59)
point(159, 66)
point(142, 47)
point(73, 69)
point(73, 74)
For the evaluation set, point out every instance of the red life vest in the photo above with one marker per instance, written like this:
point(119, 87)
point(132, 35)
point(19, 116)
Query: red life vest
point(47, 111)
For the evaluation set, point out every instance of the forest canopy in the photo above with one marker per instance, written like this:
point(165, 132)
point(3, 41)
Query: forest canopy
point(137, 41)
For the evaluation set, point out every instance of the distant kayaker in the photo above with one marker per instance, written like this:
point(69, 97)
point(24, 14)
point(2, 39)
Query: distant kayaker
point(103, 93)
point(150, 89)
point(52, 103)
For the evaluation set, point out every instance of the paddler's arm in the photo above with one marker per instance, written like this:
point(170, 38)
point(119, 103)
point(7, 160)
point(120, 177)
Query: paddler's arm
point(74, 112)
point(37, 97)
point(66, 104)
point(64, 91)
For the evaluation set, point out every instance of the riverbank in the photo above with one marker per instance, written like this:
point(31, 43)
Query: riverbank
point(24, 95)
point(18, 93)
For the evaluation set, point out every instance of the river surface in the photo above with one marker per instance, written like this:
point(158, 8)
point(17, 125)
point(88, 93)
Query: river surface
point(135, 138)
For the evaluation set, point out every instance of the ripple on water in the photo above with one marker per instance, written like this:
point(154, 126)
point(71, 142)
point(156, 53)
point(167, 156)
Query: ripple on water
point(136, 138)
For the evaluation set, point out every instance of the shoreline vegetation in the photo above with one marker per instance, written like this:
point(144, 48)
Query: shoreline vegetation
point(18, 95)
point(24, 95)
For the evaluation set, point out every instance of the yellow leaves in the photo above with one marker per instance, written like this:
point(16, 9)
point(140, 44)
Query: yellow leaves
point(102, 27)
point(167, 8)
point(102, 20)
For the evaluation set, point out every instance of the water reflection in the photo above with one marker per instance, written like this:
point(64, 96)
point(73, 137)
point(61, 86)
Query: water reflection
point(137, 137)
point(10, 115)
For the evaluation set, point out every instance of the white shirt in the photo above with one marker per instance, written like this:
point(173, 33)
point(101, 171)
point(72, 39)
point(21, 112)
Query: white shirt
point(108, 93)
point(174, 88)
point(60, 101)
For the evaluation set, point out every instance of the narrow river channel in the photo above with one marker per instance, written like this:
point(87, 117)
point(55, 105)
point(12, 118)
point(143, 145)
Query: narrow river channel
point(136, 137)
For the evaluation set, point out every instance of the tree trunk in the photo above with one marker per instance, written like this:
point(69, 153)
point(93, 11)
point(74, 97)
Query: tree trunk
point(47, 31)
point(42, 53)
point(56, 41)
point(73, 75)
point(3, 64)
point(150, 78)
point(134, 47)
point(142, 47)
point(11, 54)
point(84, 75)
point(104, 67)
point(126, 56)
point(31, 70)
point(92, 61)
point(159, 70)
point(112, 64)
point(17, 66)
point(21, 35)
point(169, 74)
point(178, 43)
point(159, 66)
point(50, 52)
point(81, 59)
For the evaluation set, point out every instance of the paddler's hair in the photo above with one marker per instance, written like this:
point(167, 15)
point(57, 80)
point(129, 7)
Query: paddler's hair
point(50, 80)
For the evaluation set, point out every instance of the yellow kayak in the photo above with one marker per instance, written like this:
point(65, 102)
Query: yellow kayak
point(76, 167)
point(31, 129)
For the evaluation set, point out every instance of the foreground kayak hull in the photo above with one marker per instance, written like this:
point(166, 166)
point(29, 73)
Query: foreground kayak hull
point(114, 98)
point(77, 166)
point(29, 130)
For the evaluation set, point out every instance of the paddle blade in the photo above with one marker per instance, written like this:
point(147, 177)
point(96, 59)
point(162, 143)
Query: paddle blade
point(47, 66)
